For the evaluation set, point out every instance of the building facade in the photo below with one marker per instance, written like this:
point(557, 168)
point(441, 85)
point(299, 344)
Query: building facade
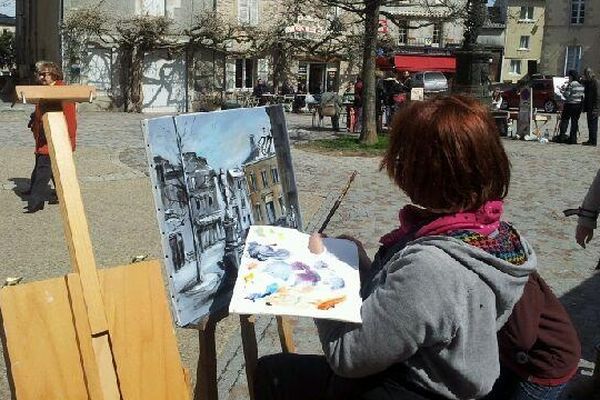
point(181, 81)
point(525, 20)
point(570, 36)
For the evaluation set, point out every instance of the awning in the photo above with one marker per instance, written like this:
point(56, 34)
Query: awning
point(415, 63)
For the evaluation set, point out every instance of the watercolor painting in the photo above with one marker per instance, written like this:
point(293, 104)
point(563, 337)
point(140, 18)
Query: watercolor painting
point(213, 176)
point(278, 275)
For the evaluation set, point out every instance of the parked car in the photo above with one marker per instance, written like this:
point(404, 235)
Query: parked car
point(430, 81)
point(543, 95)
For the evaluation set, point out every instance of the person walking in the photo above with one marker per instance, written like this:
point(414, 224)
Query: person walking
point(573, 93)
point(591, 105)
point(48, 74)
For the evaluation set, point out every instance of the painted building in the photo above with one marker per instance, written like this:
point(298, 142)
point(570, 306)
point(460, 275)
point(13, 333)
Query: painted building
point(266, 194)
point(525, 20)
point(571, 36)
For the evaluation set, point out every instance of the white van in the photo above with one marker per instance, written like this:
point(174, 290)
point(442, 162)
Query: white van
point(430, 81)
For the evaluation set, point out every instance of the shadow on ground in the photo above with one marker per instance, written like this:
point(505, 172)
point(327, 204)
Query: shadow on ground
point(583, 305)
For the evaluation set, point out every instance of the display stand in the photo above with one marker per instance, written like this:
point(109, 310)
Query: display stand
point(93, 334)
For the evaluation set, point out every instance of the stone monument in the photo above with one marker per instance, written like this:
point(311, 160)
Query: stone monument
point(472, 63)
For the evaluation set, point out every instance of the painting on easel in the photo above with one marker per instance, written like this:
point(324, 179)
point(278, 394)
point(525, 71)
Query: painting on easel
point(214, 175)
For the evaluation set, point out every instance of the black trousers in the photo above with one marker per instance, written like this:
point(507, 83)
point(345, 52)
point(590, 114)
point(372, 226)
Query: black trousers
point(571, 113)
point(592, 120)
point(40, 178)
point(301, 377)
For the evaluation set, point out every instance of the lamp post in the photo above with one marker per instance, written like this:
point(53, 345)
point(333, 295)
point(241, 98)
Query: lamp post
point(472, 62)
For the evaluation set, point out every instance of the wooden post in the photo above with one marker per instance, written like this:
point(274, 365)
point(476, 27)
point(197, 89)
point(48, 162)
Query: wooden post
point(247, 323)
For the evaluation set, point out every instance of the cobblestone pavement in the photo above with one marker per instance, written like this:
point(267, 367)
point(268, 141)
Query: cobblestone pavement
point(547, 178)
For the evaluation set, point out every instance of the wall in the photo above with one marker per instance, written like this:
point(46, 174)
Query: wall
point(37, 34)
point(560, 33)
point(517, 27)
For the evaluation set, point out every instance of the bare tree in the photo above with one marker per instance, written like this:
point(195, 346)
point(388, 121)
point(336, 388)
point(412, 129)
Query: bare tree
point(134, 35)
point(369, 12)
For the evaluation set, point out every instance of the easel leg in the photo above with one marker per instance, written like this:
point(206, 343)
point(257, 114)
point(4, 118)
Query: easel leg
point(286, 334)
point(206, 375)
point(249, 345)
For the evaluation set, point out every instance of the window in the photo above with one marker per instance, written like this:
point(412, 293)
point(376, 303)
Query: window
point(271, 216)
point(526, 13)
point(577, 11)
point(275, 175)
point(402, 32)
point(524, 42)
point(265, 179)
point(257, 213)
point(437, 33)
point(252, 182)
point(572, 58)
point(515, 67)
point(244, 73)
point(248, 12)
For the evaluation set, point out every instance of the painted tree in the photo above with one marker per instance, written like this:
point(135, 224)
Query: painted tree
point(369, 12)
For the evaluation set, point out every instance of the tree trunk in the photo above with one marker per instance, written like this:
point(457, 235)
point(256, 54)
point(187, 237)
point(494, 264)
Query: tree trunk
point(369, 123)
point(136, 98)
point(124, 76)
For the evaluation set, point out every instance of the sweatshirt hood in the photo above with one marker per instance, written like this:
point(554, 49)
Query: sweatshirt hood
point(505, 279)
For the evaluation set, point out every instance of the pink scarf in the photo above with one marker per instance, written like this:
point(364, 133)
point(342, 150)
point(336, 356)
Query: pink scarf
point(422, 222)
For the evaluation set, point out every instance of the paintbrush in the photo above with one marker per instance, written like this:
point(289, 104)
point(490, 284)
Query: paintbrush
point(338, 202)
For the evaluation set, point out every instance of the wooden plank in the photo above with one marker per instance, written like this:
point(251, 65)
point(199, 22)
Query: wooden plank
point(33, 94)
point(109, 385)
point(41, 341)
point(247, 325)
point(75, 222)
point(141, 333)
point(286, 334)
point(84, 336)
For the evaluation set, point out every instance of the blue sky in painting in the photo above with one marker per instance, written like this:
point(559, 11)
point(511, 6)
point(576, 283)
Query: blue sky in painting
point(222, 137)
point(163, 139)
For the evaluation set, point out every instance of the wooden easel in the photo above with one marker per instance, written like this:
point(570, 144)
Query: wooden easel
point(93, 334)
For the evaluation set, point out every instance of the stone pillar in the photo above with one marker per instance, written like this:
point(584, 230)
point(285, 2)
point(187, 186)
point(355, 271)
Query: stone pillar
point(472, 74)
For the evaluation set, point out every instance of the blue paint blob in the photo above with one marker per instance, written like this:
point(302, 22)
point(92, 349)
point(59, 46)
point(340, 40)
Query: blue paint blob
point(263, 252)
point(279, 269)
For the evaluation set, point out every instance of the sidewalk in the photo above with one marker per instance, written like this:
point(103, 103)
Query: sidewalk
point(111, 162)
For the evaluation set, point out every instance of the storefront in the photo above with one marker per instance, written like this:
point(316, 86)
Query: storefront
point(418, 62)
point(317, 77)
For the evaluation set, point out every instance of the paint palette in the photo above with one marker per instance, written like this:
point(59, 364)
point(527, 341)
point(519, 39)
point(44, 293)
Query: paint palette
point(279, 275)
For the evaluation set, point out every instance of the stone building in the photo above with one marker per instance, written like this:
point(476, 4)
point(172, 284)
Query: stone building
point(424, 38)
point(171, 82)
point(525, 20)
point(571, 36)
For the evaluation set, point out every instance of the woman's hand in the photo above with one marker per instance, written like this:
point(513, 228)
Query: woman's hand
point(583, 235)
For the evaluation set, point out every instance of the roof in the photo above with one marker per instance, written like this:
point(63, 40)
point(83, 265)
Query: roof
point(7, 20)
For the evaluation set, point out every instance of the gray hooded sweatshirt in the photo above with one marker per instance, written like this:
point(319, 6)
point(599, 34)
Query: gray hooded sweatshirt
point(434, 307)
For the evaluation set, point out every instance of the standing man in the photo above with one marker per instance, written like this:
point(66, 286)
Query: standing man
point(48, 74)
point(330, 105)
point(260, 89)
point(358, 103)
point(573, 93)
point(591, 105)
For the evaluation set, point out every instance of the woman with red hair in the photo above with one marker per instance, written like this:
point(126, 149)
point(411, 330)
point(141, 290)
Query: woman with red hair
point(442, 283)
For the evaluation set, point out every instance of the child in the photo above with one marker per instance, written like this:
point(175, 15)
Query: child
point(441, 285)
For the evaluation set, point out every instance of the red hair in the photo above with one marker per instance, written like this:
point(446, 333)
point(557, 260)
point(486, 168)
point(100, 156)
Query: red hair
point(446, 154)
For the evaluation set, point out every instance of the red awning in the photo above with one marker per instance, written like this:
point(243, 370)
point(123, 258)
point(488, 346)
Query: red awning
point(415, 63)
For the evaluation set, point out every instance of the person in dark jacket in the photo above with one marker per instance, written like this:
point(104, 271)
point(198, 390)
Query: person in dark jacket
point(591, 105)
point(48, 74)
point(573, 93)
